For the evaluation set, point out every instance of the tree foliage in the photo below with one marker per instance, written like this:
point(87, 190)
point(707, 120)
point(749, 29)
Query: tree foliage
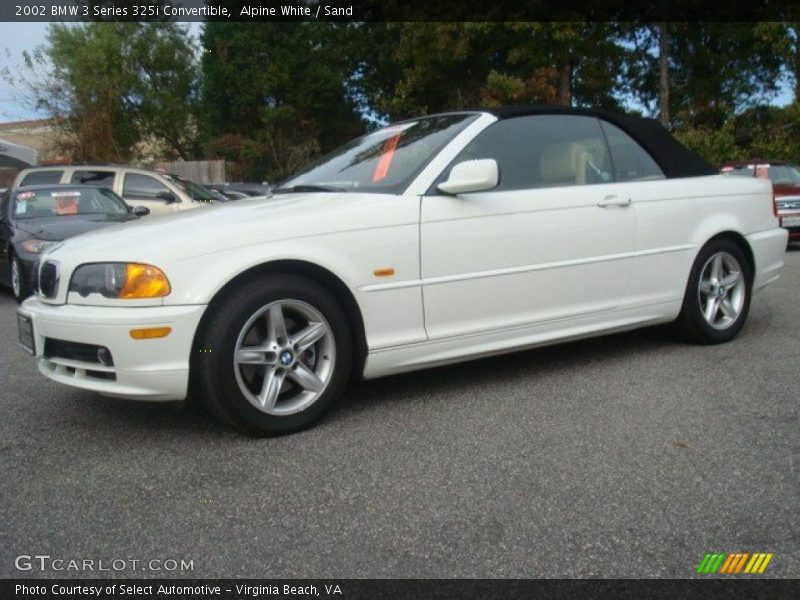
point(413, 68)
point(270, 97)
point(115, 86)
point(714, 70)
point(280, 87)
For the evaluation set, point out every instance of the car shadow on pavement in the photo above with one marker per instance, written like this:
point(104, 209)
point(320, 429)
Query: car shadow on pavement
point(155, 416)
point(484, 372)
point(127, 416)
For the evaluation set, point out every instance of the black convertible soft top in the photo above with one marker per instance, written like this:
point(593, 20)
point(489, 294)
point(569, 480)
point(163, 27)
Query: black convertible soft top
point(673, 157)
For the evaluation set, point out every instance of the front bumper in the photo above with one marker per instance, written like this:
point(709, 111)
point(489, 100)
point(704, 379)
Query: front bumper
point(148, 369)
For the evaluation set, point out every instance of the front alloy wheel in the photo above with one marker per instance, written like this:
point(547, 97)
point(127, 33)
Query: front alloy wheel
point(15, 277)
point(284, 357)
point(273, 355)
point(19, 287)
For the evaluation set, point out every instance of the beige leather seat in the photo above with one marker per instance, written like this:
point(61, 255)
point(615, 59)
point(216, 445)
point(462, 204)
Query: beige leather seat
point(564, 164)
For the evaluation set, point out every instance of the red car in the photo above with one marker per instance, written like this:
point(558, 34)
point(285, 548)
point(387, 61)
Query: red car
point(785, 179)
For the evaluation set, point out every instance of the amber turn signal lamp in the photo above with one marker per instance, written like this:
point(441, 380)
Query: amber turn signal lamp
point(150, 333)
point(144, 281)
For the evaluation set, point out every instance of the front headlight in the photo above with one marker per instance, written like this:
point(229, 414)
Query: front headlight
point(120, 280)
point(37, 246)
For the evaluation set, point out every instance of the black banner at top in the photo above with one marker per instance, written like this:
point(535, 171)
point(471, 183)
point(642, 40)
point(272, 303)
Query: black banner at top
point(396, 10)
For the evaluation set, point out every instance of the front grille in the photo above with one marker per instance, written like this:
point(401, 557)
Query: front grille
point(48, 279)
point(54, 348)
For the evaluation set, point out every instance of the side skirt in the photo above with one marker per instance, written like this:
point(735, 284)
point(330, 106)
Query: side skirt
point(438, 352)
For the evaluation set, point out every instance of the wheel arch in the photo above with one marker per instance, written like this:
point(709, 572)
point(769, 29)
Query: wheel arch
point(314, 272)
point(738, 239)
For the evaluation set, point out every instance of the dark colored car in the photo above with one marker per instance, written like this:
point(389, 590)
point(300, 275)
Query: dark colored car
point(228, 193)
point(239, 191)
point(35, 218)
point(197, 191)
point(785, 178)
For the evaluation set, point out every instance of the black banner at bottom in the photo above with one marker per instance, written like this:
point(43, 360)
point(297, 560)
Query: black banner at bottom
point(375, 589)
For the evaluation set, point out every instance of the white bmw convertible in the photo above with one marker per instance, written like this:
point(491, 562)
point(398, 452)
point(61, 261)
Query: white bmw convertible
point(431, 241)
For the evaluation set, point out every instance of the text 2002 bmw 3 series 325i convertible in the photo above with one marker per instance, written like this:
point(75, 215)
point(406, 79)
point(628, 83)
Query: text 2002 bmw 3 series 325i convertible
point(430, 241)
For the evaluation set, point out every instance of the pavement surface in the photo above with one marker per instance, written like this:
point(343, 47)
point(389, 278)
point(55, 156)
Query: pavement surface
point(624, 456)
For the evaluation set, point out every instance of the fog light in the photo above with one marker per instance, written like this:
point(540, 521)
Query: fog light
point(104, 357)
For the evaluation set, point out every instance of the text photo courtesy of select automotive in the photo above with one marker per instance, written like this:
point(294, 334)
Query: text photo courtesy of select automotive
point(272, 306)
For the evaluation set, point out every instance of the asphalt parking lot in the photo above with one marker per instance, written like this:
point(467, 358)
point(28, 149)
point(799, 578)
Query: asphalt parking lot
point(623, 456)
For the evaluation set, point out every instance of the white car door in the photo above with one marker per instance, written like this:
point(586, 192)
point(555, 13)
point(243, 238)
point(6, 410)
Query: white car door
point(139, 189)
point(554, 240)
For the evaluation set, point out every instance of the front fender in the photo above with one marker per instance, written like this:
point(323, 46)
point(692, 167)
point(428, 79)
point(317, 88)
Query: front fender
point(392, 314)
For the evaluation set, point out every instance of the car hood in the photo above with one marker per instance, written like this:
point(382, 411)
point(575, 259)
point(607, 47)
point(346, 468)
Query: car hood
point(219, 227)
point(61, 228)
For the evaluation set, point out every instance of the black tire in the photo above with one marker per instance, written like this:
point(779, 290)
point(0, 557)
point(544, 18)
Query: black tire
point(24, 289)
point(691, 323)
point(213, 375)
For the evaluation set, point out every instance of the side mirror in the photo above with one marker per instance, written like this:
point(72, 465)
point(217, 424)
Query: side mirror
point(168, 197)
point(471, 176)
point(141, 211)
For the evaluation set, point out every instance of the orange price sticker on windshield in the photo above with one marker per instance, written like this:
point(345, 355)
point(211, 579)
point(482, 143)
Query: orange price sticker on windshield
point(66, 206)
point(387, 154)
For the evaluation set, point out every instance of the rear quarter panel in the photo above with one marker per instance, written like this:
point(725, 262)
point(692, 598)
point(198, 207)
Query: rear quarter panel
point(676, 217)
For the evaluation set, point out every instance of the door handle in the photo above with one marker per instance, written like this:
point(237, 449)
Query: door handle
point(614, 200)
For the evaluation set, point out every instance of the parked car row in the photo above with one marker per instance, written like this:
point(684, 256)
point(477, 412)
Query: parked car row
point(35, 218)
point(785, 178)
point(47, 205)
point(162, 193)
point(240, 191)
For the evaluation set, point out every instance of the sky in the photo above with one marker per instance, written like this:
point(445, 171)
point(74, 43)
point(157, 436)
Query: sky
point(18, 37)
point(15, 38)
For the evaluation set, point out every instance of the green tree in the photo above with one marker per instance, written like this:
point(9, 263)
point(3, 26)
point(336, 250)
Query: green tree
point(783, 38)
point(280, 88)
point(412, 68)
point(712, 70)
point(408, 69)
point(112, 86)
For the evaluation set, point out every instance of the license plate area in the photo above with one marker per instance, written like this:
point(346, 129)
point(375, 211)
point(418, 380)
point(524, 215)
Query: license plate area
point(26, 338)
point(790, 221)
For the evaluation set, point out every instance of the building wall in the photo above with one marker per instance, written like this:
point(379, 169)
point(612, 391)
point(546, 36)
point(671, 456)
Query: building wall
point(38, 134)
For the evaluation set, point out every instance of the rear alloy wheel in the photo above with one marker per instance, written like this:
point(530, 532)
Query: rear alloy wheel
point(721, 290)
point(274, 356)
point(717, 297)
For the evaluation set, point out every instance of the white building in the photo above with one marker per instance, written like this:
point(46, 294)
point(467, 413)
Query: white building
point(15, 156)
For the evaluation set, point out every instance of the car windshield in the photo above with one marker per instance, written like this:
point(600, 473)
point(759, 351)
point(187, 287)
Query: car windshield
point(784, 175)
point(32, 204)
point(195, 191)
point(383, 161)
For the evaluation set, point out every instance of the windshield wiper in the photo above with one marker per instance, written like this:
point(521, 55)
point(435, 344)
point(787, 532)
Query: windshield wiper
point(307, 188)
